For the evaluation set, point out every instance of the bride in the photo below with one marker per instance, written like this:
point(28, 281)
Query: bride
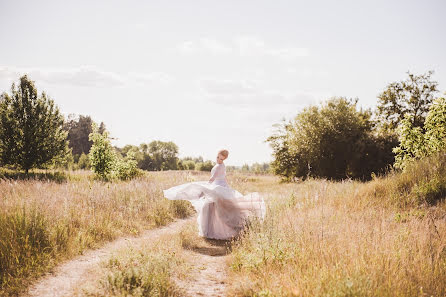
point(222, 211)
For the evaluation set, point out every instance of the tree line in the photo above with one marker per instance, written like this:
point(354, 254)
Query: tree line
point(333, 140)
point(34, 134)
point(338, 140)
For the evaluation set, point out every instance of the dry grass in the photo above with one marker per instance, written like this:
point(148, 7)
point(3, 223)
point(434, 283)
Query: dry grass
point(147, 270)
point(347, 239)
point(320, 238)
point(43, 222)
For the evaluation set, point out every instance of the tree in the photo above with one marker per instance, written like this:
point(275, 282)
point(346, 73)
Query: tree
point(102, 155)
point(332, 141)
point(31, 128)
point(106, 162)
point(417, 143)
point(188, 164)
point(79, 129)
point(164, 155)
point(204, 166)
point(412, 96)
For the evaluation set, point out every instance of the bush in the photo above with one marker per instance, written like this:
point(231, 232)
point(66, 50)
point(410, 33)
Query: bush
point(188, 165)
point(204, 166)
point(83, 162)
point(416, 143)
point(127, 168)
point(105, 162)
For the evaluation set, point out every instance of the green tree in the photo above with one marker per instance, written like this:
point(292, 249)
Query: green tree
point(332, 141)
point(164, 155)
point(102, 155)
point(79, 129)
point(412, 97)
point(204, 166)
point(416, 142)
point(83, 162)
point(189, 164)
point(31, 128)
point(435, 126)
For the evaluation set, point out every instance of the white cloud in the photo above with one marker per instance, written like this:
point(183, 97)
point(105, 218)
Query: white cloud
point(84, 76)
point(87, 76)
point(251, 94)
point(249, 45)
point(243, 46)
point(289, 53)
point(204, 45)
point(218, 87)
point(151, 78)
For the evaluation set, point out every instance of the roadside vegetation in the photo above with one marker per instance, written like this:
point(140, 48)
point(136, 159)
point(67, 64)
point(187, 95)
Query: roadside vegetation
point(43, 222)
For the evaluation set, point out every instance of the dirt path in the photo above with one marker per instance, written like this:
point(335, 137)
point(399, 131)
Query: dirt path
point(207, 277)
point(71, 274)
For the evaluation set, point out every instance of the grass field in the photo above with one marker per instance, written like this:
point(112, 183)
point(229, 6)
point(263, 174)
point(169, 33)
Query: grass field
point(382, 238)
point(45, 221)
point(386, 237)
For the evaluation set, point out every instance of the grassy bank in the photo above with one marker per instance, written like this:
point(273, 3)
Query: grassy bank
point(43, 221)
point(382, 238)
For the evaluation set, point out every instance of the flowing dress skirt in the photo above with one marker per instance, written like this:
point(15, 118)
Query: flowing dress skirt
point(222, 211)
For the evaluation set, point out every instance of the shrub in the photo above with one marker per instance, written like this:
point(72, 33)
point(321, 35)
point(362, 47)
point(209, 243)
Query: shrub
point(102, 156)
point(105, 162)
point(416, 143)
point(83, 162)
point(204, 166)
point(188, 165)
point(126, 168)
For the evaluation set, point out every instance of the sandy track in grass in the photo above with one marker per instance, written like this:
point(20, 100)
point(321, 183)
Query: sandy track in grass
point(68, 276)
point(208, 276)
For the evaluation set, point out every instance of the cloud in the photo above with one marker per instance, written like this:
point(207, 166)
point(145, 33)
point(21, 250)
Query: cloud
point(204, 45)
point(243, 46)
point(219, 87)
point(289, 53)
point(245, 93)
point(83, 76)
point(151, 78)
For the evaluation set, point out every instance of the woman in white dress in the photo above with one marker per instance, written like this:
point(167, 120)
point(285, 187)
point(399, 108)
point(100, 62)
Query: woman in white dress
point(222, 211)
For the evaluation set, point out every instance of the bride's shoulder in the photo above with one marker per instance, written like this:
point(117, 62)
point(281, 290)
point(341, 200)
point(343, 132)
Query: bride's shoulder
point(218, 166)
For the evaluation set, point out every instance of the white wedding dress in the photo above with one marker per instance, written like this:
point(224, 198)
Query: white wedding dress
point(222, 211)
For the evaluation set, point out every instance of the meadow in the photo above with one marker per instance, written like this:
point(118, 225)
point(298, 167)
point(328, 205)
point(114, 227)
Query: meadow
point(386, 237)
point(56, 215)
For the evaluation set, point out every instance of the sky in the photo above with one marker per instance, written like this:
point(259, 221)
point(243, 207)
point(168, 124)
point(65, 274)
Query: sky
point(211, 74)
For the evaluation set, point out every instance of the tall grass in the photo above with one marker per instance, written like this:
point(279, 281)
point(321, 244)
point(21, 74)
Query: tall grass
point(147, 270)
point(422, 183)
point(43, 222)
point(386, 237)
point(382, 238)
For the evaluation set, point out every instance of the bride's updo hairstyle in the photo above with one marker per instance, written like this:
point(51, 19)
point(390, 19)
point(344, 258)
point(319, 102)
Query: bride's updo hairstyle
point(224, 153)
